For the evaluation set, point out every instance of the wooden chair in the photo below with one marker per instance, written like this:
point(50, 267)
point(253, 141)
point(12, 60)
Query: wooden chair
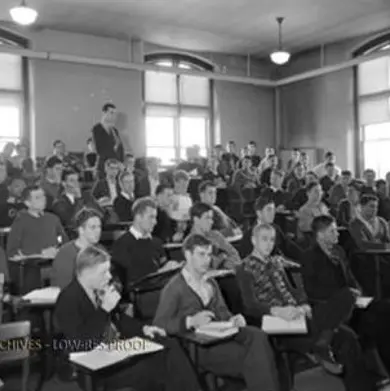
point(20, 331)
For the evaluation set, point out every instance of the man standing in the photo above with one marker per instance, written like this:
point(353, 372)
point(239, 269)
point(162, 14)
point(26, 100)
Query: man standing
point(106, 137)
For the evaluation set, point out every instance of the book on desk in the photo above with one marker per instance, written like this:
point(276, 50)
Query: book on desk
point(104, 355)
point(217, 329)
point(46, 295)
point(276, 325)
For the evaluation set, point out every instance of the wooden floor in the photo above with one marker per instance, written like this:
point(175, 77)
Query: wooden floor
point(311, 380)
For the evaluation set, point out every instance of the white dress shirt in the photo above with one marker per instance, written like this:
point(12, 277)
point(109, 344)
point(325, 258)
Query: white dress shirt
point(71, 198)
point(153, 182)
point(137, 234)
point(112, 190)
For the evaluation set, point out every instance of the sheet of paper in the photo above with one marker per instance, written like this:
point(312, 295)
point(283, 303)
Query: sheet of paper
point(218, 329)
point(363, 302)
point(106, 355)
point(44, 295)
point(275, 325)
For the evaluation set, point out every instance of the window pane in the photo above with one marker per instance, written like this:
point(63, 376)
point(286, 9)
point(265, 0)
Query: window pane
point(374, 111)
point(10, 72)
point(194, 90)
point(160, 87)
point(377, 132)
point(167, 155)
point(183, 153)
point(376, 157)
point(10, 126)
point(193, 131)
point(4, 141)
point(160, 132)
point(374, 76)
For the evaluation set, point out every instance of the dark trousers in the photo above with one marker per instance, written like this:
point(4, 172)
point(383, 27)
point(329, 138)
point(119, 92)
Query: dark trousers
point(248, 356)
point(168, 370)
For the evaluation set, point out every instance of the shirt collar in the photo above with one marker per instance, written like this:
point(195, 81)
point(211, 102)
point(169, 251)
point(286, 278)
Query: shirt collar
point(11, 200)
point(138, 235)
point(128, 197)
point(70, 197)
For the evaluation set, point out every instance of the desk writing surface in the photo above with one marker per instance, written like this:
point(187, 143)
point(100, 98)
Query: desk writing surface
point(45, 295)
point(105, 356)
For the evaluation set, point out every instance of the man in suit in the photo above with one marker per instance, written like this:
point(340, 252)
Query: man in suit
point(87, 314)
point(106, 138)
point(107, 189)
point(326, 274)
point(147, 183)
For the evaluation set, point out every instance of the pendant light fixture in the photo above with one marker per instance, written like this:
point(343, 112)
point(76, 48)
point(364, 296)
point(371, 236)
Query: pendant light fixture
point(280, 56)
point(23, 14)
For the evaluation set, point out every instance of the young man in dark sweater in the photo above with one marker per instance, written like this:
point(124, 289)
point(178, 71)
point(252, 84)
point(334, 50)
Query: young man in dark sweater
point(87, 314)
point(14, 203)
point(191, 300)
point(137, 254)
point(123, 203)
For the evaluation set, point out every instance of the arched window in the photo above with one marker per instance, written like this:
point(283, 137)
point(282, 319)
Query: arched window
point(178, 108)
point(373, 89)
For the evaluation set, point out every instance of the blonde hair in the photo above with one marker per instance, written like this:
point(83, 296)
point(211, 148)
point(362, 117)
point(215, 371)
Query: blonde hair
point(89, 257)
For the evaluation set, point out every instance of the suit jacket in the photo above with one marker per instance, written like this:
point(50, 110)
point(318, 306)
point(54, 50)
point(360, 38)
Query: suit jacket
point(122, 208)
point(77, 318)
point(105, 145)
point(101, 189)
point(324, 277)
point(364, 238)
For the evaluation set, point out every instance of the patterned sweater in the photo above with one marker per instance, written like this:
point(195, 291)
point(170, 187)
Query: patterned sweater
point(271, 283)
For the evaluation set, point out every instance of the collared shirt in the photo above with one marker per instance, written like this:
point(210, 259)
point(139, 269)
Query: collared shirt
point(202, 288)
point(71, 198)
point(112, 190)
point(270, 281)
point(153, 185)
point(138, 235)
point(127, 196)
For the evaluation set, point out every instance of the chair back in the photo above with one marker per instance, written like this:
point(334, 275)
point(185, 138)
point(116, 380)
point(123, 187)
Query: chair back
point(18, 334)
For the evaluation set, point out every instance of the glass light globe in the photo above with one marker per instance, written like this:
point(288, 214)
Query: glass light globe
point(23, 15)
point(280, 57)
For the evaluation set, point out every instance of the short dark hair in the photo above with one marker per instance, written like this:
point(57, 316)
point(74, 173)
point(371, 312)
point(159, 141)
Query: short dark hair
point(195, 240)
point(329, 164)
point(262, 201)
point(366, 198)
point(28, 190)
point(320, 223)
point(56, 142)
point(310, 186)
point(380, 182)
point(199, 209)
point(52, 161)
point(296, 150)
point(162, 187)
point(108, 106)
point(180, 175)
point(84, 214)
point(140, 205)
point(247, 157)
point(204, 185)
point(16, 178)
point(218, 146)
point(346, 173)
point(259, 227)
point(66, 173)
point(329, 154)
point(252, 143)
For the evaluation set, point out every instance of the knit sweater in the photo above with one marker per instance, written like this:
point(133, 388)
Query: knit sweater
point(31, 234)
point(178, 301)
point(63, 268)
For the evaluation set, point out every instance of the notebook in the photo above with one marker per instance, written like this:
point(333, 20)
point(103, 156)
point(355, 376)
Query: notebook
point(275, 325)
point(44, 295)
point(363, 302)
point(106, 355)
point(218, 329)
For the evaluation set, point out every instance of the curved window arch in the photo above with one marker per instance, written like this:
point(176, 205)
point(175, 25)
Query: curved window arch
point(178, 108)
point(373, 105)
point(13, 94)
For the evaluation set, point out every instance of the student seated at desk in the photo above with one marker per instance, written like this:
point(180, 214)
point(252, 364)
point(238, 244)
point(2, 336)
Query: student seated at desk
point(71, 201)
point(348, 208)
point(189, 300)
point(136, 253)
point(125, 199)
point(368, 229)
point(87, 314)
point(106, 190)
point(182, 202)
point(265, 212)
point(51, 182)
point(222, 223)
point(10, 209)
point(327, 275)
point(202, 218)
point(89, 227)
point(267, 289)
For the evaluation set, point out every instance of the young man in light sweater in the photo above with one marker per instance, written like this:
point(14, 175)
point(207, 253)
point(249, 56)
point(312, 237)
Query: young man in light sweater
point(191, 300)
point(89, 227)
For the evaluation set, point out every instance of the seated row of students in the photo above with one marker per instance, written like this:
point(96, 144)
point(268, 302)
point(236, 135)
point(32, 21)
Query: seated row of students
point(189, 301)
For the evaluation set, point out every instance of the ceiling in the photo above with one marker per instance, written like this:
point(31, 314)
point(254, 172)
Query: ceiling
point(229, 26)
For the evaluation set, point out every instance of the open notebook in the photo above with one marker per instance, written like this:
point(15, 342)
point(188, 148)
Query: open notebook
point(218, 329)
point(106, 355)
point(275, 325)
point(44, 295)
